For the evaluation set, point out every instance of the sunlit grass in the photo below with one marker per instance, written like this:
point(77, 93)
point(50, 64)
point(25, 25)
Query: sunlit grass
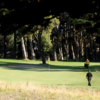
point(72, 74)
point(57, 81)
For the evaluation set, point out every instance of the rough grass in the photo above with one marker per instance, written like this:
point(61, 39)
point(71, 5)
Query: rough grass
point(27, 91)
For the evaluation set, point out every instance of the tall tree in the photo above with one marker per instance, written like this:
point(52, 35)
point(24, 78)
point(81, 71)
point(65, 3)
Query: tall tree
point(29, 39)
point(5, 45)
point(24, 53)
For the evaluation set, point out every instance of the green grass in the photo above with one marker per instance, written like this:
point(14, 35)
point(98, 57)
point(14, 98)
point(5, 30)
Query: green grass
point(70, 74)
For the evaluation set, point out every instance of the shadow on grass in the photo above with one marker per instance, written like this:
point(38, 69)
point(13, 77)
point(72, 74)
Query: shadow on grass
point(48, 67)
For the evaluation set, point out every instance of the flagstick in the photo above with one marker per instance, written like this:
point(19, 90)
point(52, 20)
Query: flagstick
point(49, 58)
point(49, 65)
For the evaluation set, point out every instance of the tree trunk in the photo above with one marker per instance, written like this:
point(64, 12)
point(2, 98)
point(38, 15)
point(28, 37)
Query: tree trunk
point(93, 57)
point(5, 45)
point(30, 45)
point(42, 54)
point(76, 50)
point(39, 43)
point(86, 53)
point(85, 49)
point(67, 52)
point(54, 52)
point(66, 46)
point(99, 51)
point(90, 49)
point(41, 49)
point(32, 51)
point(63, 49)
point(77, 53)
point(15, 45)
point(28, 50)
point(81, 47)
point(80, 53)
point(73, 44)
point(61, 53)
point(24, 54)
point(72, 51)
point(95, 51)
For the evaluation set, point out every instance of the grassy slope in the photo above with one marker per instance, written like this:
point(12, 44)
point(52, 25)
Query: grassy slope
point(61, 73)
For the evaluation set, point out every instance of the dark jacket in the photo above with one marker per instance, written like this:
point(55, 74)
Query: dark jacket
point(89, 75)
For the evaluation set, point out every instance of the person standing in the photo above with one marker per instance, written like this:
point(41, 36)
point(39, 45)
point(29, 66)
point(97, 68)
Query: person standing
point(89, 76)
point(87, 63)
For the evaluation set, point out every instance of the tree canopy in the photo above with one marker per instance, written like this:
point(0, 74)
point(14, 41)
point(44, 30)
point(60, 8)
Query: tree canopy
point(15, 14)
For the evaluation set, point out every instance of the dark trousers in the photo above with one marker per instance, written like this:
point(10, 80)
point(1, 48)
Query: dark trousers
point(89, 82)
point(86, 65)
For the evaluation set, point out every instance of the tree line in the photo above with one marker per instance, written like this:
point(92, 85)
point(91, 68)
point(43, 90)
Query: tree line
point(75, 43)
point(67, 42)
point(25, 17)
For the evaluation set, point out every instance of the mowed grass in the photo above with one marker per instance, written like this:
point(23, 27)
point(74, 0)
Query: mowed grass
point(71, 74)
point(58, 81)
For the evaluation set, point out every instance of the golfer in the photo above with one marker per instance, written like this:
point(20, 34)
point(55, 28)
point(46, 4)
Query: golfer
point(89, 76)
point(87, 63)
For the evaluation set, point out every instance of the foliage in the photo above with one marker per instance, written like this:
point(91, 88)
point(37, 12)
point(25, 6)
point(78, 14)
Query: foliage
point(10, 10)
point(46, 43)
point(10, 43)
point(1, 43)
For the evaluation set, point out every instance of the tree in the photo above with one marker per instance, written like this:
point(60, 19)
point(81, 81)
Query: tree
point(14, 17)
point(46, 43)
point(30, 44)
point(26, 6)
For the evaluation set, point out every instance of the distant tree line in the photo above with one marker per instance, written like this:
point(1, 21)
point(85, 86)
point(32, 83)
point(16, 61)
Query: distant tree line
point(23, 18)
